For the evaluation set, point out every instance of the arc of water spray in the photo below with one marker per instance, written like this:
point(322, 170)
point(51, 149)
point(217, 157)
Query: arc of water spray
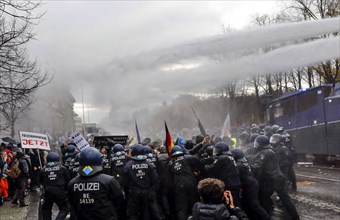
point(229, 43)
point(275, 61)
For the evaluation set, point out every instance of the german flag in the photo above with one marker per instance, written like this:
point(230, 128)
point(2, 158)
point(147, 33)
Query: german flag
point(169, 144)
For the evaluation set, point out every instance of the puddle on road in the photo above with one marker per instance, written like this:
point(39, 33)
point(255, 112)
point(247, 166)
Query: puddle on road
point(304, 183)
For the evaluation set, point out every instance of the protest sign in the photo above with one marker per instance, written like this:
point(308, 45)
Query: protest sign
point(34, 140)
point(79, 140)
point(103, 141)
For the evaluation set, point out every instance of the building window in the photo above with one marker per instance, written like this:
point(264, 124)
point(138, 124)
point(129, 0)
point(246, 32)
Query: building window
point(278, 111)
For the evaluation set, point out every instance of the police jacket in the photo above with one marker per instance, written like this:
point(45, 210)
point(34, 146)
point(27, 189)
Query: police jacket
point(140, 175)
point(54, 177)
point(265, 166)
point(246, 176)
point(183, 168)
point(210, 212)
point(163, 170)
point(284, 158)
point(95, 197)
point(117, 166)
point(152, 160)
point(106, 163)
point(73, 170)
point(224, 168)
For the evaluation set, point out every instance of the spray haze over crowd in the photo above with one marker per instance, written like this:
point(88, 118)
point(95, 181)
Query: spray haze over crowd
point(193, 66)
point(147, 77)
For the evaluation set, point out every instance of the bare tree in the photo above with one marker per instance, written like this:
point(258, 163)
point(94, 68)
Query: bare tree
point(15, 108)
point(20, 77)
point(313, 10)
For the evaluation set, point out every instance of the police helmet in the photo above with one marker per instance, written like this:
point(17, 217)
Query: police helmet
point(70, 149)
point(255, 129)
point(148, 151)
point(138, 152)
point(118, 149)
point(261, 141)
point(177, 151)
point(74, 155)
point(237, 153)
point(52, 157)
point(210, 150)
point(276, 129)
point(90, 161)
point(268, 131)
point(76, 160)
point(275, 140)
point(219, 148)
point(253, 137)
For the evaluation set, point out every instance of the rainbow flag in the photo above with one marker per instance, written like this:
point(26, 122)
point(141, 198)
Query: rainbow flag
point(169, 144)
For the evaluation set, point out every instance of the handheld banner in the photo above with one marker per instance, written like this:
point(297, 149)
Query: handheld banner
point(34, 140)
point(103, 141)
point(79, 140)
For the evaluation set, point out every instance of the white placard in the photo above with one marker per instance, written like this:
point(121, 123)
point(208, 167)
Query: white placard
point(34, 140)
point(79, 140)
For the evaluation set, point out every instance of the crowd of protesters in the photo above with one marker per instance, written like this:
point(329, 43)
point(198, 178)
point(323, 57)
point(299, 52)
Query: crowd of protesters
point(206, 177)
point(19, 171)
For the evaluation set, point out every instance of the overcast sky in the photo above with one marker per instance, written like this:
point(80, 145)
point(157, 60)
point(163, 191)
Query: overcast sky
point(77, 38)
point(105, 46)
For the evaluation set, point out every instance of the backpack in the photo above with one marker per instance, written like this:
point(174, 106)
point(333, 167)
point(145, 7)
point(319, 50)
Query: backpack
point(14, 171)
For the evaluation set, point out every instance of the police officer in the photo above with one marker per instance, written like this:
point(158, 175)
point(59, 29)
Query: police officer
point(92, 194)
point(54, 178)
point(67, 157)
point(268, 131)
point(74, 166)
point(166, 191)
point(150, 156)
point(224, 168)
point(270, 177)
point(106, 160)
point(250, 188)
point(141, 178)
point(208, 156)
point(184, 168)
point(250, 151)
point(118, 161)
point(286, 139)
point(282, 153)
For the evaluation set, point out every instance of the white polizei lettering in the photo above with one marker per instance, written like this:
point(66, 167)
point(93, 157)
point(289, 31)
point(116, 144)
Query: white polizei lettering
point(48, 169)
point(139, 166)
point(86, 187)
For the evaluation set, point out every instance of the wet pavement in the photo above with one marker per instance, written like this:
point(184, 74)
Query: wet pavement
point(317, 197)
point(8, 211)
point(318, 194)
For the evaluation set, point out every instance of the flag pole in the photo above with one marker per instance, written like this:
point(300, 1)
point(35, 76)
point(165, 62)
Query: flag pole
point(199, 123)
point(194, 112)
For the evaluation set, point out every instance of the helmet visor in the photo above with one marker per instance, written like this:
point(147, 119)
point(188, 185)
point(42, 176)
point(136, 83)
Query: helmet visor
point(217, 151)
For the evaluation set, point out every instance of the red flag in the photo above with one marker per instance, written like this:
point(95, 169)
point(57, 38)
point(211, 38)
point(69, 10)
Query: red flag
point(169, 144)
